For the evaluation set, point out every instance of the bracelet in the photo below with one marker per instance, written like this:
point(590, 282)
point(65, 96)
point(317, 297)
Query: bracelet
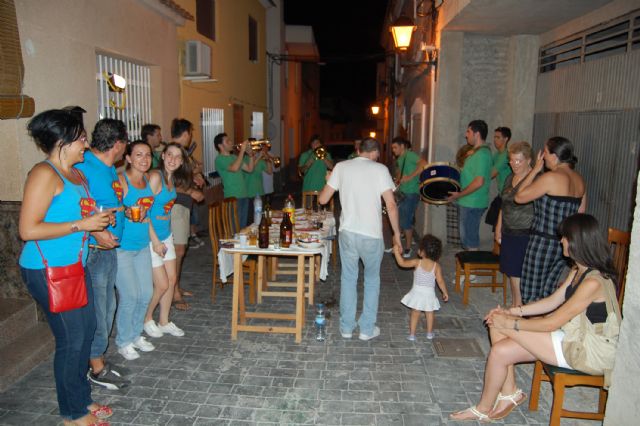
point(515, 325)
point(521, 313)
point(75, 227)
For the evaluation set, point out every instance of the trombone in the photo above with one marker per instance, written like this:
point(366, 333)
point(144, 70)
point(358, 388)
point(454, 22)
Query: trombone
point(256, 145)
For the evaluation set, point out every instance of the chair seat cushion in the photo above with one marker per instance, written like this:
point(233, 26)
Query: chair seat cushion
point(552, 370)
point(477, 257)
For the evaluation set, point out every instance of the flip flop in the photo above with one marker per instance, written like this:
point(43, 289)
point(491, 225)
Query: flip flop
point(478, 416)
point(180, 305)
point(517, 398)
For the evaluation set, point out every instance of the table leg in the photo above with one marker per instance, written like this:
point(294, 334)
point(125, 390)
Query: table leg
point(237, 282)
point(300, 302)
point(312, 277)
point(241, 302)
point(260, 277)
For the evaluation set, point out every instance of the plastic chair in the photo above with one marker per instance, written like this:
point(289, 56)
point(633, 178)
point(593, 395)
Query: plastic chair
point(482, 264)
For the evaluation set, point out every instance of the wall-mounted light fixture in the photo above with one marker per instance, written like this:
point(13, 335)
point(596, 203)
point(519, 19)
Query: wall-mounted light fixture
point(372, 134)
point(375, 109)
point(402, 30)
point(117, 85)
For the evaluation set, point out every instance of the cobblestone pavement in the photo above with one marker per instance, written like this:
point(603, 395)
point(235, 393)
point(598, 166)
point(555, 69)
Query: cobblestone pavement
point(205, 378)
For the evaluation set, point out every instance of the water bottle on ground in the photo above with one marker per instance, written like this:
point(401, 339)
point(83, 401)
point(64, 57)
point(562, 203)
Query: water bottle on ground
point(257, 209)
point(321, 329)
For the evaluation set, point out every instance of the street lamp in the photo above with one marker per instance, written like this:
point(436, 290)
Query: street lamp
point(372, 134)
point(375, 109)
point(402, 29)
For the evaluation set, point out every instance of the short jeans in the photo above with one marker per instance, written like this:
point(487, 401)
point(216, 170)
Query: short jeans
point(407, 211)
point(556, 339)
point(156, 260)
point(469, 222)
point(180, 226)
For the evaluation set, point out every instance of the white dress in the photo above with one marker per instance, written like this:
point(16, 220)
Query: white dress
point(422, 296)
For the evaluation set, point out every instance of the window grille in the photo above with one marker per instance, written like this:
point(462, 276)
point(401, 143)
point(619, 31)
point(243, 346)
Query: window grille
point(619, 36)
point(133, 105)
point(212, 124)
point(257, 125)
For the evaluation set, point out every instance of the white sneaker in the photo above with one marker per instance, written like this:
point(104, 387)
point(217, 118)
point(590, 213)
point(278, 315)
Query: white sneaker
point(472, 278)
point(376, 333)
point(142, 344)
point(129, 352)
point(172, 329)
point(152, 329)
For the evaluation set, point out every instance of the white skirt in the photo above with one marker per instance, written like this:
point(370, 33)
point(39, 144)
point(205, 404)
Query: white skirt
point(421, 299)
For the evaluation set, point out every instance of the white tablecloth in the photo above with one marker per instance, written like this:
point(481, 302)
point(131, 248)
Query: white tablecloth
point(326, 235)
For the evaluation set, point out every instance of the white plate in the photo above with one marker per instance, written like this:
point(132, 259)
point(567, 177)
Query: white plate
point(309, 245)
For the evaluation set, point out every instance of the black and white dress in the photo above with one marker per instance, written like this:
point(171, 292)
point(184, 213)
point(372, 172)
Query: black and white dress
point(543, 261)
point(422, 296)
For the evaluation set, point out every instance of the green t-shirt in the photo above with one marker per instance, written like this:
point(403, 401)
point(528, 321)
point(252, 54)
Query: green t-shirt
point(232, 182)
point(314, 179)
point(501, 165)
point(254, 179)
point(407, 164)
point(478, 164)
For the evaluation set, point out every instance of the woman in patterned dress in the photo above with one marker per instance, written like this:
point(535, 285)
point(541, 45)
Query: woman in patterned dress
point(556, 194)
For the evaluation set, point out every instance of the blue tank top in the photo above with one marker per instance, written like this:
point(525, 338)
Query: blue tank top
point(161, 210)
point(136, 234)
point(72, 204)
point(105, 188)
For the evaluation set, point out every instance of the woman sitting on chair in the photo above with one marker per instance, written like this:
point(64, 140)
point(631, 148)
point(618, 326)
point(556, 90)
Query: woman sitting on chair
point(515, 339)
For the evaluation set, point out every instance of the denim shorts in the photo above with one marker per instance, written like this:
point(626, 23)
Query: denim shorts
point(407, 211)
point(469, 222)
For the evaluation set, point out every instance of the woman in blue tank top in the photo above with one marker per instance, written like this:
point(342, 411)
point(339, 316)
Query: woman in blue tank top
point(57, 211)
point(172, 171)
point(133, 280)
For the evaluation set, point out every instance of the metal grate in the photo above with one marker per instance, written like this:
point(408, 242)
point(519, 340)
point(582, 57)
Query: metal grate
point(619, 36)
point(133, 106)
point(457, 348)
point(212, 121)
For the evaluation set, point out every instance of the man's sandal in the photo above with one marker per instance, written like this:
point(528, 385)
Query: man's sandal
point(478, 416)
point(517, 398)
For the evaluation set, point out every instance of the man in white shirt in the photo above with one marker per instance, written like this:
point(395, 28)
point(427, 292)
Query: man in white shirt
point(361, 182)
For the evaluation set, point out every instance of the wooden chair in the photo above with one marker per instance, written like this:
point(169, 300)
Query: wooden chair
point(230, 219)
point(309, 200)
point(216, 232)
point(482, 264)
point(561, 378)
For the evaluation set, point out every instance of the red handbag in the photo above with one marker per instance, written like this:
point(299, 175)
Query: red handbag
point(66, 284)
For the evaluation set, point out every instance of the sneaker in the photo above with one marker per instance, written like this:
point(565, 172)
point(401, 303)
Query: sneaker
point(411, 338)
point(407, 253)
point(472, 278)
point(194, 242)
point(129, 352)
point(365, 337)
point(346, 335)
point(389, 250)
point(430, 336)
point(142, 344)
point(107, 378)
point(172, 329)
point(152, 329)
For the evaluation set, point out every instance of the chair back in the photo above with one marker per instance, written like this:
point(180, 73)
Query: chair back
point(216, 227)
point(230, 219)
point(619, 242)
point(310, 200)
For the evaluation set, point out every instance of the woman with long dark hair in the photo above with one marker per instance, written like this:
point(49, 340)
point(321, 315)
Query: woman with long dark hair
point(56, 215)
point(556, 194)
point(515, 339)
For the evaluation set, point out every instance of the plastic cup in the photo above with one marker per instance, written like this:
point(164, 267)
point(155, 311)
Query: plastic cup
point(253, 239)
point(243, 240)
point(135, 213)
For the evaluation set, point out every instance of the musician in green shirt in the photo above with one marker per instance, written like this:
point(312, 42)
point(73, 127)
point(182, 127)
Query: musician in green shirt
point(313, 168)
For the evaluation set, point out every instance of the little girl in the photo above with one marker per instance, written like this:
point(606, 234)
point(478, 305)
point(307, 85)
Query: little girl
point(422, 297)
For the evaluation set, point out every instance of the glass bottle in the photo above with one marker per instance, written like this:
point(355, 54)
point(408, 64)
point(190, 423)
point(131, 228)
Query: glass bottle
point(263, 232)
point(321, 329)
point(286, 231)
point(290, 207)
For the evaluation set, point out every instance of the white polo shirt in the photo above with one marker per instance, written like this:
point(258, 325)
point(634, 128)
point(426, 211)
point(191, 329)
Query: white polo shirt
point(360, 183)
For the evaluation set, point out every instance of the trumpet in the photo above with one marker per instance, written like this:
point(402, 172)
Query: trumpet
point(256, 145)
point(320, 152)
point(276, 161)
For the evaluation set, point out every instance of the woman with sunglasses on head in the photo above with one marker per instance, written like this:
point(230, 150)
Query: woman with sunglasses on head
point(134, 280)
point(57, 212)
point(173, 171)
point(525, 334)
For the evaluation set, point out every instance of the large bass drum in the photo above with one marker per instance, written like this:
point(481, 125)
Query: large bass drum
point(437, 180)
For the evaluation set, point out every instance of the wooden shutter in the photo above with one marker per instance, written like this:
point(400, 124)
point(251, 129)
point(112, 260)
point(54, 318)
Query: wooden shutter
point(13, 103)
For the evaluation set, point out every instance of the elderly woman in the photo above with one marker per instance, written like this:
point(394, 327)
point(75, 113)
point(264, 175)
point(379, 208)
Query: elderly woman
point(514, 220)
point(515, 339)
point(57, 214)
point(556, 194)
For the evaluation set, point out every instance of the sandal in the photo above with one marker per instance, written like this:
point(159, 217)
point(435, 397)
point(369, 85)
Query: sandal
point(479, 416)
point(102, 412)
point(517, 398)
point(187, 293)
point(180, 305)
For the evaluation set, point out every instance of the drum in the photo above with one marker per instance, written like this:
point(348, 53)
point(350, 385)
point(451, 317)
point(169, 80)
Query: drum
point(437, 180)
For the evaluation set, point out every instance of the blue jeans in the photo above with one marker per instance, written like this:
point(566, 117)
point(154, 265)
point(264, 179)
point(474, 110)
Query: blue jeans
point(73, 331)
point(134, 283)
point(243, 212)
point(469, 224)
point(102, 266)
point(407, 211)
point(353, 248)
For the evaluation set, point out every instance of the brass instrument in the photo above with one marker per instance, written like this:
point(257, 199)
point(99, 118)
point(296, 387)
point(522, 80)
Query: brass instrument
point(276, 161)
point(256, 145)
point(320, 152)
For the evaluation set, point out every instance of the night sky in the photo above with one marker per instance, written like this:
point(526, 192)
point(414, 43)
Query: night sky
point(346, 32)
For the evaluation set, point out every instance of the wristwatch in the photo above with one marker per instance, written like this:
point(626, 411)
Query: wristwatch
point(75, 227)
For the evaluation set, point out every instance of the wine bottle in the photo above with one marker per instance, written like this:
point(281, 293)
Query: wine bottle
point(263, 232)
point(286, 231)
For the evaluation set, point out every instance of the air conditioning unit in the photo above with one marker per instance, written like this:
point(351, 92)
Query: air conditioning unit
point(197, 63)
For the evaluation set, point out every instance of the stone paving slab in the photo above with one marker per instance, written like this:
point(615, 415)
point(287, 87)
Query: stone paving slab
point(205, 378)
